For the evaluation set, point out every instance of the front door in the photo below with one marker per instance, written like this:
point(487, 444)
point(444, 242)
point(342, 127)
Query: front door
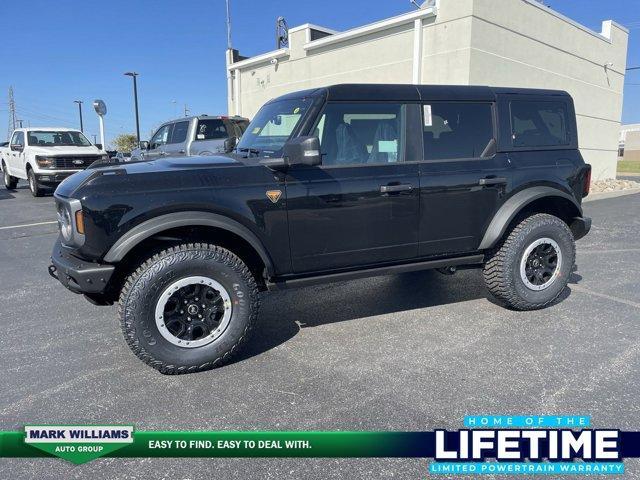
point(360, 207)
point(158, 142)
point(16, 157)
point(462, 178)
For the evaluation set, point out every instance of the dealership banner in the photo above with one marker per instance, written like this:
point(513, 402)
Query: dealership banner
point(487, 444)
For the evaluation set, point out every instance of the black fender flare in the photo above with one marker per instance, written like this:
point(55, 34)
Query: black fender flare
point(161, 223)
point(515, 204)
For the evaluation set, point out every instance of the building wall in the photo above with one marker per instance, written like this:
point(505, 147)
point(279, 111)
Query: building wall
point(520, 44)
point(517, 43)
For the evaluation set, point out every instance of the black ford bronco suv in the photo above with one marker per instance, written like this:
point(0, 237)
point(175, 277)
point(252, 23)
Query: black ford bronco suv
point(326, 185)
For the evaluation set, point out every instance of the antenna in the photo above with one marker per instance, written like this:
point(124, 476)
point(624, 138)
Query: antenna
point(13, 121)
point(282, 33)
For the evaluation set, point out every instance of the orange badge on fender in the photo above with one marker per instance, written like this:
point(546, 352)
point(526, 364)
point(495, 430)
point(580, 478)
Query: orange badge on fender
point(274, 195)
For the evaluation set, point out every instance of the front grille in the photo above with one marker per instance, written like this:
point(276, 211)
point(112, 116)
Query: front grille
point(75, 162)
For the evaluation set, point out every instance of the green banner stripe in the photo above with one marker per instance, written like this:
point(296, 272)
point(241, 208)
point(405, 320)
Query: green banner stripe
point(245, 444)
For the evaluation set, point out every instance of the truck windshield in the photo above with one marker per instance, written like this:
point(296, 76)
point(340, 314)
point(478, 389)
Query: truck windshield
point(272, 126)
point(58, 139)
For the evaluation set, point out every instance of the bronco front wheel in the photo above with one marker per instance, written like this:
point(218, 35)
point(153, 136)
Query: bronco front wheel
point(188, 308)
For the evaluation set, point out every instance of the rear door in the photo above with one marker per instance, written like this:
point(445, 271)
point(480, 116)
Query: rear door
point(360, 207)
point(462, 179)
point(177, 144)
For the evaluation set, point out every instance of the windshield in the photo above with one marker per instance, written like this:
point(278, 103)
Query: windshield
point(58, 139)
point(272, 126)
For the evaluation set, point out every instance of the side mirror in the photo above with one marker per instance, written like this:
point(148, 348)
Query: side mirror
point(230, 143)
point(302, 151)
point(144, 145)
point(16, 147)
point(99, 146)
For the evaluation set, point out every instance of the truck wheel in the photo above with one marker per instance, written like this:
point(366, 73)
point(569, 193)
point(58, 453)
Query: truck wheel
point(188, 308)
point(9, 182)
point(34, 186)
point(531, 267)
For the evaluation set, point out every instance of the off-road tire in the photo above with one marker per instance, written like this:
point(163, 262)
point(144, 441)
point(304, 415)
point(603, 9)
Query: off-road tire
point(34, 186)
point(144, 287)
point(502, 269)
point(10, 182)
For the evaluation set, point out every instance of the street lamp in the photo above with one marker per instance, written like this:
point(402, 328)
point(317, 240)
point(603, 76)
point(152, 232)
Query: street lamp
point(79, 102)
point(135, 99)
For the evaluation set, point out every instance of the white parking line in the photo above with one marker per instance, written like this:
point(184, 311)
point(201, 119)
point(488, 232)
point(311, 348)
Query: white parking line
point(28, 225)
point(604, 295)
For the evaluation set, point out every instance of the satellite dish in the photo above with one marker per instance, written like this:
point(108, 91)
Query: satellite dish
point(100, 107)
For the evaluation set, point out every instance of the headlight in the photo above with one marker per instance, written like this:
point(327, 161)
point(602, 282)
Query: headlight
point(45, 162)
point(105, 157)
point(70, 221)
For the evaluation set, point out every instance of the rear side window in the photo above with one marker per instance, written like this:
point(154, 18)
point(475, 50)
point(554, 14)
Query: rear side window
point(179, 134)
point(211, 129)
point(456, 130)
point(539, 124)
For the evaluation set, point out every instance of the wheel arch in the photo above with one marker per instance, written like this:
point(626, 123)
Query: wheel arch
point(190, 219)
point(540, 199)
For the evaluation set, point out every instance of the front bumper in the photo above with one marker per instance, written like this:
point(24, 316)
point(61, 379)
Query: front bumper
point(53, 178)
point(78, 275)
point(580, 226)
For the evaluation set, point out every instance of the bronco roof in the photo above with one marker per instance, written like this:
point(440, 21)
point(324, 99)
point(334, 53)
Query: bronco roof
point(382, 92)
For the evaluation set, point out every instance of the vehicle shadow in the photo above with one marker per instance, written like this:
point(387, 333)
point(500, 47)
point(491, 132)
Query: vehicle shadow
point(283, 314)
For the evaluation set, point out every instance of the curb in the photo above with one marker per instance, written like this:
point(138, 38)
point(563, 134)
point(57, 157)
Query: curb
point(604, 195)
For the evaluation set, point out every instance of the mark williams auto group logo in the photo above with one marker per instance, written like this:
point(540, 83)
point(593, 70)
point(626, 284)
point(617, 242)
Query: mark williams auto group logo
point(78, 444)
point(525, 445)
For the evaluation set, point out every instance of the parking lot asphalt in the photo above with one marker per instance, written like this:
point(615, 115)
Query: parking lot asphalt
point(407, 352)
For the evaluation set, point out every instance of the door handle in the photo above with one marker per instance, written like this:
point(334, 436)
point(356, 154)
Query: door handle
point(163, 153)
point(181, 151)
point(492, 181)
point(403, 187)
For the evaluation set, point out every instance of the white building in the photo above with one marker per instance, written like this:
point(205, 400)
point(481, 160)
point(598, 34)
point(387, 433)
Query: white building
point(517, 43)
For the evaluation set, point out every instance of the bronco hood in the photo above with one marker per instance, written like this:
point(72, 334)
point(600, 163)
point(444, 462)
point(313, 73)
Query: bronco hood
point(163, 165)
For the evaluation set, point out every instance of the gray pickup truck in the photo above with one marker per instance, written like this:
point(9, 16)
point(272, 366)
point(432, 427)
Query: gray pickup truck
point(201, 135)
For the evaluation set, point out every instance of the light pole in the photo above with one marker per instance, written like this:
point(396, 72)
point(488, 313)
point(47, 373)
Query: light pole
point(79, 102)
point(134, 75)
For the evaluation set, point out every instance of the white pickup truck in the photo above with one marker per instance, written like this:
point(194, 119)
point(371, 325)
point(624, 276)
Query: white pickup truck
point(46, 156)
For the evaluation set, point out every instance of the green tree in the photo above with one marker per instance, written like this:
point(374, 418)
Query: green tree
point(125, 142)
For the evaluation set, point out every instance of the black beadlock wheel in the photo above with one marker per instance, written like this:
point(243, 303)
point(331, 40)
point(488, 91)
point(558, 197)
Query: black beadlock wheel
point(10, 182)
point(532, 265)
point(188, 308)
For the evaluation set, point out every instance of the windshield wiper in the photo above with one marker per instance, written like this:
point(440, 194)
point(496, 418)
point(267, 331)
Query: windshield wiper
point(249, 150)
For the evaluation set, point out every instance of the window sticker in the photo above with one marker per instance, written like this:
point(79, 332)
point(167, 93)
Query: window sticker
point(388, 146)
point(428, 119)
point(256, 131)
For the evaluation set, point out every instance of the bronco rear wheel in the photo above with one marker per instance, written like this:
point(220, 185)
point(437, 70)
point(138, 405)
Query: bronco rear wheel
point(532, 265)
point(188, 308)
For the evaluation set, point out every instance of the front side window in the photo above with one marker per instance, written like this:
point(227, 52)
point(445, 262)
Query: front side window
point(180, 130)
point(57, 139)
point(272, 126)
point(456, 130)
point(211, 129)
point(361, 133)
point(18, 139)
point(539, 124)
point(161, 137)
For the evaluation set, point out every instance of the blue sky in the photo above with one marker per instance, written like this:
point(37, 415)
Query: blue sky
point(54, 52)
